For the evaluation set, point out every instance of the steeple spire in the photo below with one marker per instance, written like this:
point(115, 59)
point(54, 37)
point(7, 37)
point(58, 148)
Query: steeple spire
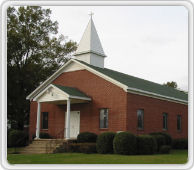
point(90, 49)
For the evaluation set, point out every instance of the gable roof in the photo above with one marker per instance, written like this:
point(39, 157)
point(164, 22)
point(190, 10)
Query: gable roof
point(71, 91)
point(65, 93)
point(128, 83)
point(141, 84)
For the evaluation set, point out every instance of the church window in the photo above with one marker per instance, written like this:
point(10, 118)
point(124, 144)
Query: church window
point(103, 118)
point(165, 121)
point(179, 122)
point(140, 118)
point(44, 120)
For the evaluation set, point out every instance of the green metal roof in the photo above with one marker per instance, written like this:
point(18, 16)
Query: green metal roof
point(71, 91)
point(141, 84)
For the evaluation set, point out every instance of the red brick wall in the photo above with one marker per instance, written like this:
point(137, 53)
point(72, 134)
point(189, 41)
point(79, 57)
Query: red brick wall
point(55, 118)
point(104, 95)
point(153, 109)
point(107, 95)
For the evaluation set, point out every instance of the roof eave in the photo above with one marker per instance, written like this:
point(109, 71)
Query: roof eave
point(79, 97)
point(121, 85)
point(50, 85)
point(47, 81)
point(90, 51)
point(65, 93)
point(155, 95)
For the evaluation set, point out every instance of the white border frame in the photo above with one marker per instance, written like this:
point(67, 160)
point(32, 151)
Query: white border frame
point(5, 164)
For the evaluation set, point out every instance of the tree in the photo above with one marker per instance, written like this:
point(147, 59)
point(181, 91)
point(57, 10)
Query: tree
point(171, 84)
point(33, 53)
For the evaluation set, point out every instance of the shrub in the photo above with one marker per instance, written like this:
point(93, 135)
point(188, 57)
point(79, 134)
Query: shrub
point(160, 140)
point(180, 143)
point(165, 149)
point(124, 143)
point(86, 137)
point(8, 131)
point(146, 144)
point(104, 142)
point(82, 147)
point(74, 147)
point(44, 135)
point(88, 148)
point(8, 140)
point(72, 140)
point(17, 138)
point(168, 138)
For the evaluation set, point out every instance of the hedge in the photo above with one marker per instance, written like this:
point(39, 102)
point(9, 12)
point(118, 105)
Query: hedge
point(125, 143)
point(180, 143)
point(86, 137)
point(165, 149)
point(160, 140)
point(82, 147)
point(104, 142)
point(17, 138)
point(168, 138)
point(146, 144)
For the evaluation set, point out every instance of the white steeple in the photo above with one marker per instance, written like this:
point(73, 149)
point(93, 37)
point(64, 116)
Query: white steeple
point(90, 49)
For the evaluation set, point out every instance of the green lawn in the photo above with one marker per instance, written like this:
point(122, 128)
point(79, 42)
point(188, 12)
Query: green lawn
point(175, 157)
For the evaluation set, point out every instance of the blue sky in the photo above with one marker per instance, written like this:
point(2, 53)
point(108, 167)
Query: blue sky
point(149, 42)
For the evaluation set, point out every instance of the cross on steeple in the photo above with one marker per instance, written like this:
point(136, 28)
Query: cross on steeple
point(90, 14)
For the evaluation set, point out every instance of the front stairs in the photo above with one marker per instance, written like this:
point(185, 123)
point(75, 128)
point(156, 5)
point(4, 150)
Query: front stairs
point(43, 146)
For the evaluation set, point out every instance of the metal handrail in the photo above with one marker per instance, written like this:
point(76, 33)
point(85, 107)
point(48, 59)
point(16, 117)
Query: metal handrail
point(54, 142)
point(63, 130)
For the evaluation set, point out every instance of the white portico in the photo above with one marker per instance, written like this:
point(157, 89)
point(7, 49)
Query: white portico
point(59, 95)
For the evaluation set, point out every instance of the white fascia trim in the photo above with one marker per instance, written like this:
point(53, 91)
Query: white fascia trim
point(90, 51)
point(155, 95)
point(36, 98)
point(126, 88)
point(49, 80)
point(79, 97)
point(103, 76)
point(51, 101)
point(60, 70)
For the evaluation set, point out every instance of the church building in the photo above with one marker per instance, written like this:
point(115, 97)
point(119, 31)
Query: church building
point(83, 96)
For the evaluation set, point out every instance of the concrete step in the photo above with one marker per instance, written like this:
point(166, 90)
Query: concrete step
point(43, 146)
point(38, 148)
point(47, 142)
point(33, 152)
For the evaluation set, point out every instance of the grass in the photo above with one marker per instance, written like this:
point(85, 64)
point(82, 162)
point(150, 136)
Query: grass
point(13, 150)
point(175, 157)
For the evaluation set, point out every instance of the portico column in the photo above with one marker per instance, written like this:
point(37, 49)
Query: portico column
point(38, 121)
point(67, 134)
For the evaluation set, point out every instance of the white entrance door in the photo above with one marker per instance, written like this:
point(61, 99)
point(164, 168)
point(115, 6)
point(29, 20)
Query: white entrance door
point(74, 124)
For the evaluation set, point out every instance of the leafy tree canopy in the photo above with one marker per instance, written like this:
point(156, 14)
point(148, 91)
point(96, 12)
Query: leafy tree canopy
point(171, 84)
point(34, 52)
